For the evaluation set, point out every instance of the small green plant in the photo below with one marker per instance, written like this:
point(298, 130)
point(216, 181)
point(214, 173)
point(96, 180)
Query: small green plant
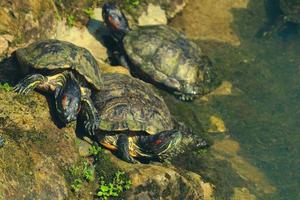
point(132, 2)
point(88, 172)
point(81, 173)
point(76, 185)
point(89, 12)
point(95, 150)
point(70, 20)
point(119, 184)
point(6, 87)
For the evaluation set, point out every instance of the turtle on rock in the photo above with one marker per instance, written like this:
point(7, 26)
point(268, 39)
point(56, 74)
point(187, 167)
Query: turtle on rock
point(135, 121)
point(161, 55)
point(70, 71)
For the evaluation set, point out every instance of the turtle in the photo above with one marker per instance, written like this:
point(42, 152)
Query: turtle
point(161, 55)
point(291, 10)
point(135, 121)
point(70, 71)
point(283, 18)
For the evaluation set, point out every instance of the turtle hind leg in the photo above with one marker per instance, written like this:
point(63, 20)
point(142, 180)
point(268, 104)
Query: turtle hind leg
point(29, 83)
point(123, 149)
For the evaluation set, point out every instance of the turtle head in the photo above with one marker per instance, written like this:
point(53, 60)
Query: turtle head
point(115, 21)
point(160, 143)
point(68, 100)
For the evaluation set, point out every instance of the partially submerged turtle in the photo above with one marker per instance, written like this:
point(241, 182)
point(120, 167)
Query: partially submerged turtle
point(135, 121)
point(162, 54)
point(283, 18)
point(291, 10)
point(65, 69)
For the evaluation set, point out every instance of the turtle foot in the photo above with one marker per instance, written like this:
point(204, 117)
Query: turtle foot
point(186, 97)
point(29, 83)
point(91, 125)
point(2, 141)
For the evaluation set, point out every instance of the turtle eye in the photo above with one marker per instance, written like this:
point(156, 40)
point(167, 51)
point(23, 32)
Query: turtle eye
point(157, 142)
point(79, 108)
point(114, 22)
point(65, 102)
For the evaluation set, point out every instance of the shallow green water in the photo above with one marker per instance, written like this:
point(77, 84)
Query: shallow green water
point(264, 114)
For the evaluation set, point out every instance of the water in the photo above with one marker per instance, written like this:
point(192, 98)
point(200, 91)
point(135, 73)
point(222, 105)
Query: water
point(263, 114)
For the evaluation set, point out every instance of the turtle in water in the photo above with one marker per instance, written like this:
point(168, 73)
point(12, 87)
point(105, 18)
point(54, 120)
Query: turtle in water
point(135, 121)
point(70, 71)
point(161, 55)
point(291, 10)
point(283, 18)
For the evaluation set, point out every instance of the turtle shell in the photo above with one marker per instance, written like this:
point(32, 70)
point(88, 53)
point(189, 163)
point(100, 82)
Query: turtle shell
point(56, 54)
point(126, 103)
point(291, 8)
point(168, 57)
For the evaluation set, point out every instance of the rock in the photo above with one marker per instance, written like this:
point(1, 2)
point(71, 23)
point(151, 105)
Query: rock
point(242, 194)
point(154, 15)
point(217, 125)
point(3, 45)
point(227, 149)
point(155, 181)
point(36, 156)
point(89, 37)
point(213, 20)
point(26, 20)
point(151, 12)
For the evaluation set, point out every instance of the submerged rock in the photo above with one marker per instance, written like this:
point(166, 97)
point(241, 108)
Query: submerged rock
point(212, 21)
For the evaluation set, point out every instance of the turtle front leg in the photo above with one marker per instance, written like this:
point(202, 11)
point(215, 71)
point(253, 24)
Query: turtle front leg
point(46, 83)
point(92, 120)
point(29, 83)
point(123, 149)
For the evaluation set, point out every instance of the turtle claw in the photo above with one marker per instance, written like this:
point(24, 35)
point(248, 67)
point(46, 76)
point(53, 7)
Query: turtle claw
point(28, 84)
point(2, 141)
point(91, 126)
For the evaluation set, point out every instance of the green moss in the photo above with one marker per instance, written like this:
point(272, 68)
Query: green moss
point(112, 181)
point(6, 87)
point(152, 189)
point(76, 12)
point(79, 174)
point(26, 100)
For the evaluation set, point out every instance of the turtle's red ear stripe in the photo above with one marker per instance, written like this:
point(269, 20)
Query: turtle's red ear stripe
point(113, 22)
point(157, 142)
point(64, 102)
point(79, 108)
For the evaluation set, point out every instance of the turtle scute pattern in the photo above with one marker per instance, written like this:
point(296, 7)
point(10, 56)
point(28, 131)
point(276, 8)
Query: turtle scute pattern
point(127, 103)
point(163, 60)
point(56, 54)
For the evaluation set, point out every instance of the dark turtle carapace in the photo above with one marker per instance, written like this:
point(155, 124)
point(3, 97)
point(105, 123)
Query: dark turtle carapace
point(135, 121)
point(163, 55)
point(67, 70)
